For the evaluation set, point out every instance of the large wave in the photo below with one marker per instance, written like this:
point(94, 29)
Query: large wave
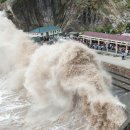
point(65, 85)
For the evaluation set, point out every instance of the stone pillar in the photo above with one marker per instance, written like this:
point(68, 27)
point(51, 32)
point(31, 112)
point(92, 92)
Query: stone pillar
point(98, 42)
point(116, 47)
point(126, 47)
point(83, 39)
point(87, 41)
point(106, 43)
point(90, 42)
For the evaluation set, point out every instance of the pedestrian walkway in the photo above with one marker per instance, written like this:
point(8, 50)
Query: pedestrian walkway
point(114, 60)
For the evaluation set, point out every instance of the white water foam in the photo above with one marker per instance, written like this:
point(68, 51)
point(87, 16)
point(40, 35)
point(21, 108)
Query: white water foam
point(56, 87)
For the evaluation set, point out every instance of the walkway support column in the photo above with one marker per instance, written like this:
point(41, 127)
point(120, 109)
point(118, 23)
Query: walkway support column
point(126, 50)
point(83, 39)
point(116, 47)
point(106, 43)
point(90, 42)
point(126, 47)
point(98, 42)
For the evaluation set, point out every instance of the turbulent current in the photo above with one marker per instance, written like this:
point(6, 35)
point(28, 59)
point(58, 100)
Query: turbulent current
point(53, 87)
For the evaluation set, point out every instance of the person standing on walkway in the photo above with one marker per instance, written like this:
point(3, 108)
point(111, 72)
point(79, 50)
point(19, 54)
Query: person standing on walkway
point(123, 54)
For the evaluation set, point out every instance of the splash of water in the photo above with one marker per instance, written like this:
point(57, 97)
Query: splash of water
point(64, 84)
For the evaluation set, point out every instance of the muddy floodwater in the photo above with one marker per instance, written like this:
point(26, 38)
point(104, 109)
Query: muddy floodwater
point(53, 87)
point(13, 107)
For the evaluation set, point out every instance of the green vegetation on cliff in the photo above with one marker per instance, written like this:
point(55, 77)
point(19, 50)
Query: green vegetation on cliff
point(128, 3)
point(106, 28)
point(72, 15)
point(2, 1)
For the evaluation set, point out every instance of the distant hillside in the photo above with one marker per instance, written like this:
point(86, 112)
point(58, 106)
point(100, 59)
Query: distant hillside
point(73, 15)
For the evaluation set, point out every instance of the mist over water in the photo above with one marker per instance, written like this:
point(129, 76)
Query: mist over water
point(53, 87)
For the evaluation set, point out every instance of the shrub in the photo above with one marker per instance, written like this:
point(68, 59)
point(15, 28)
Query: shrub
point(128, 3)
point(2, 1)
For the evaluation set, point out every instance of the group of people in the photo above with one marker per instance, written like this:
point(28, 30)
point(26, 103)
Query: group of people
point(111, 48)
point(108, 47)
point(105, 47)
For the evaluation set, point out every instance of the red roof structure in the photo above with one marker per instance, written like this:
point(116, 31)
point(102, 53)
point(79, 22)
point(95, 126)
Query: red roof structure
point(115, 37)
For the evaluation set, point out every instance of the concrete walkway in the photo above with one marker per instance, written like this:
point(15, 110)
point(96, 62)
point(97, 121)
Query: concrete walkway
point(115, 60)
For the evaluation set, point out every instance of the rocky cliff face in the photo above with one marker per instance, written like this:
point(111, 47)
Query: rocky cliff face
point(29, 14)
point(73, 15)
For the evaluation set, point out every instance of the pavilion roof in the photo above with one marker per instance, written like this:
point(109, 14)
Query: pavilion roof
point(115, 37)
point(45, 29)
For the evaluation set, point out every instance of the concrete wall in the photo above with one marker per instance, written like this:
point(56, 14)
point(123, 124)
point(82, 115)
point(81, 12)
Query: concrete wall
point(121, 79)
